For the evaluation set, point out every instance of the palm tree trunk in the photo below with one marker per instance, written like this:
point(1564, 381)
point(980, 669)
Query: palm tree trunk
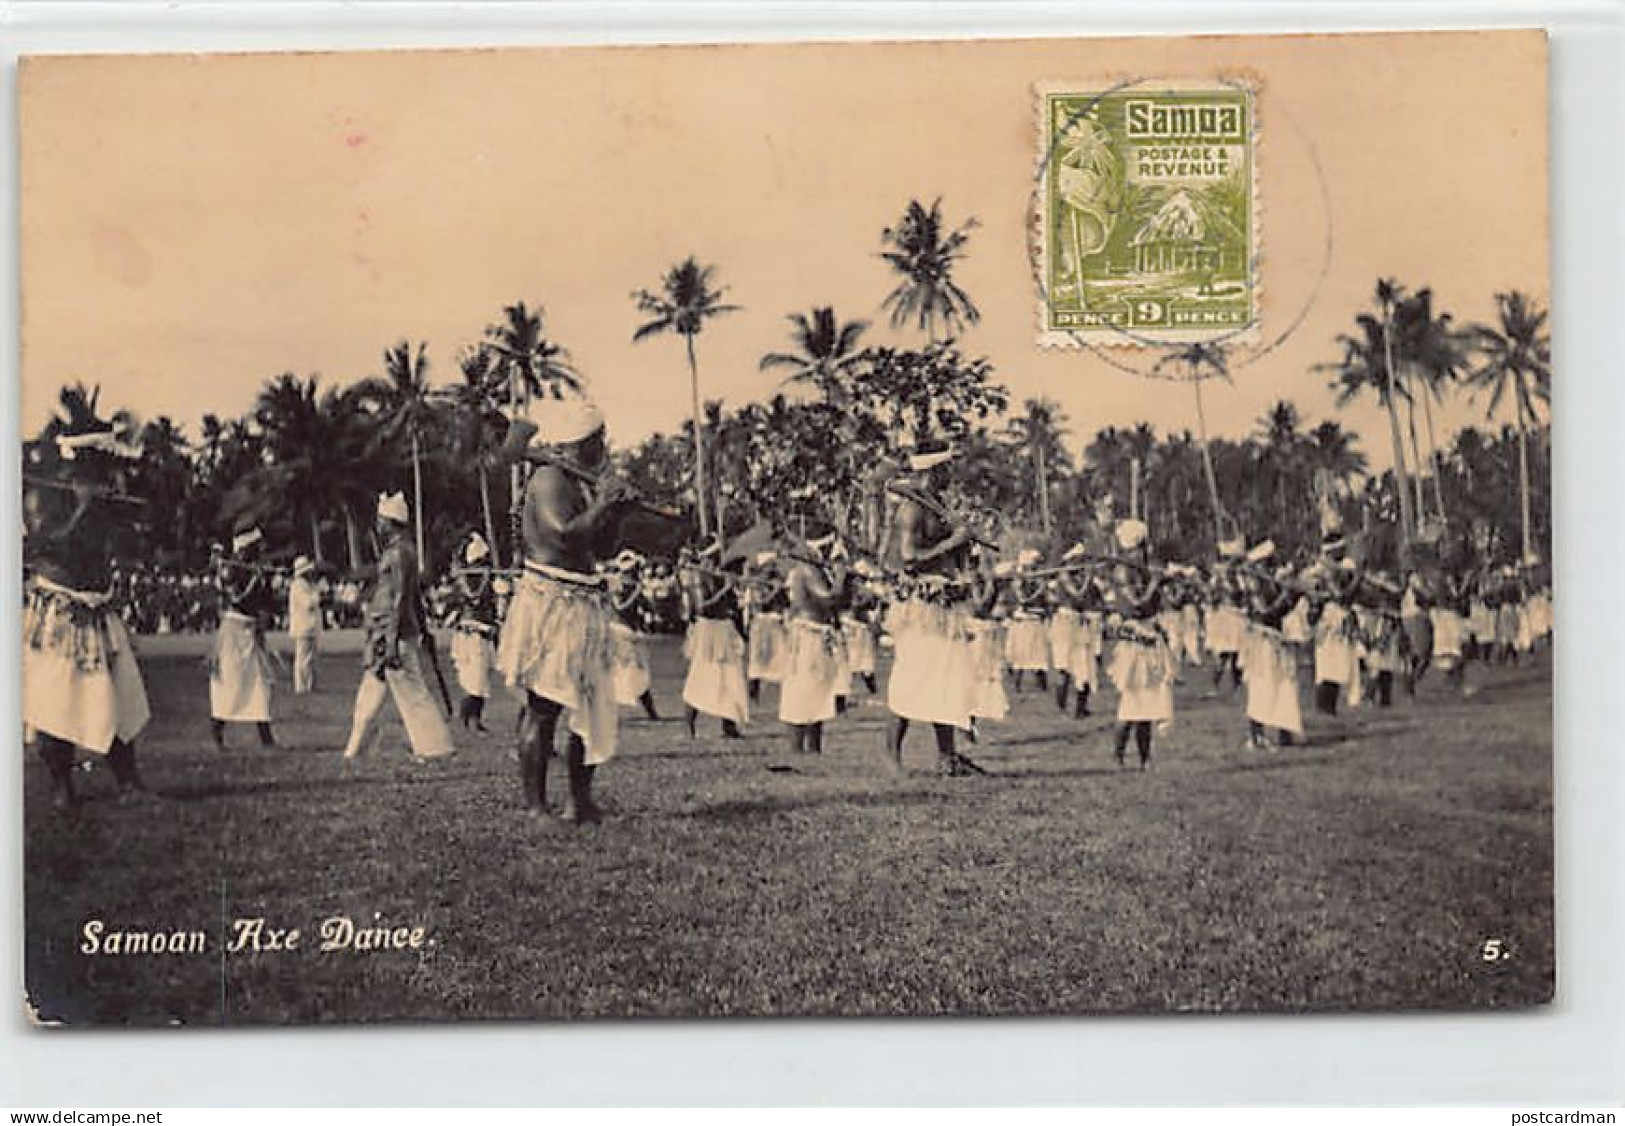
point(1207, 466)
point(1433, 451)
point(1402, 479)
point(699, 438)
point(490, 523)
point(417, 495)
point(315, 538)
point(1416, 459)
point(1043, 491)
point(1523, 476)
point(352, 538)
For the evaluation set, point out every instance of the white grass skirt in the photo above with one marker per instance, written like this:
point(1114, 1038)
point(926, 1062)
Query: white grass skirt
point(240, 679)
point(84, 698)
point(1027, 645)
point(1061, 633)
point(1142, 670)
point(473, 654)
point(1271, 672)
point(988, 648)
point(769, 647)
point(631, 665)
point(557, 642)
point(817, 673)
point(1225, 629)
point(1088, 639)
point(1337, 660)
point(1449, 634)
point(716, 670)
point(861, 652)
point(933, 676)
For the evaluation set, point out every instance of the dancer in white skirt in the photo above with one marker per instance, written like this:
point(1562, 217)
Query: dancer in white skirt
point(633, 684)
point(1269, 663)
point(767, 641)
point(816, 672)
point(988, 649)
point(1141, 666)
point(558, 643)
point(933, 676)
point(1337, 641)
point(1027, 647)
point(714, 648)
point(81, 686)
point(391, 654)
point(473, 641)
point(304, 624)
point(1083, 597)
point(1225, 622)
point(241, 669)
point(1449, 618)
point(1381, 635)
point(862, 646)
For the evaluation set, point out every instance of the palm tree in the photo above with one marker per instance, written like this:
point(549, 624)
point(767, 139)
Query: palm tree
point(1436, 355)
point(1042, 431)
point(476, 406)
point(685, 302)
point(1201, 362)
point(1334, 452)
point(350, 422)
point(918, 249)
point(1515, 357)
point(826, 350)
point(523, 361)
point(1278, 431)
point(1368, 364)
point(296, 441)
point(407, 407)
point(163, 478)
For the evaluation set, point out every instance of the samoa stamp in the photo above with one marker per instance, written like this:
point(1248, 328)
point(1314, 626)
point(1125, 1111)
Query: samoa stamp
point(1147, 225)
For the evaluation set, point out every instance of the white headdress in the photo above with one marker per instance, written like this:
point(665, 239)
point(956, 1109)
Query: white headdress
point(476, 549)
point(303, 566)
point(246, 539)
point(929, 453)
point(392, 506)
point(560, 422)
point(1131, 534)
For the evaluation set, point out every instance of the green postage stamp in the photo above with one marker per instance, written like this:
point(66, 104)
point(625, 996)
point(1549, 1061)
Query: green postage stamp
point(1147, 225)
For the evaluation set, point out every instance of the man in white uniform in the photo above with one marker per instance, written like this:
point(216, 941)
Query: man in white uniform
point(304, 624)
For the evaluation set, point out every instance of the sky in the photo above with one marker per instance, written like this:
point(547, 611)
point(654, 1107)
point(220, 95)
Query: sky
point(196, 225)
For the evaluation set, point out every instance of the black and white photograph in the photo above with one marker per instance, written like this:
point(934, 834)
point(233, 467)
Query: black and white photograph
point(962, 528)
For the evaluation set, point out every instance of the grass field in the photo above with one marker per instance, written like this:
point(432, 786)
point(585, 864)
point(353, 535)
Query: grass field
point(1366, 870)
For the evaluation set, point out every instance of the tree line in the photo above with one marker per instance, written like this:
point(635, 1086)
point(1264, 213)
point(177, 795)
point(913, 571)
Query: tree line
point(307, 459)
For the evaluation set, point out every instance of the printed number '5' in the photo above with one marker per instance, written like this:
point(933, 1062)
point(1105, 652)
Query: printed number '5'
point(1492, 950)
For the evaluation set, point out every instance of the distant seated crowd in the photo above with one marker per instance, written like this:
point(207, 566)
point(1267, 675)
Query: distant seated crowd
point(161, 600)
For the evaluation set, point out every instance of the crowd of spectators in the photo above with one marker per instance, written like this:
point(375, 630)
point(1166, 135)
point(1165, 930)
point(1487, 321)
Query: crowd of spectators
point(161, 600)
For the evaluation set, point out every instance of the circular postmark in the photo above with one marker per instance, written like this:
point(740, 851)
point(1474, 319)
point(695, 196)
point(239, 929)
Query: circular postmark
point(1188, 224)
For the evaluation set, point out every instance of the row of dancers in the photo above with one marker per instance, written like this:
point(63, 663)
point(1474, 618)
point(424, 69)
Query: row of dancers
point(812, 614)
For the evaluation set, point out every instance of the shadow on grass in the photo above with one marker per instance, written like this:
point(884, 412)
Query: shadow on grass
point(250, 787)
point(1287, 759)
point(746, 809)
